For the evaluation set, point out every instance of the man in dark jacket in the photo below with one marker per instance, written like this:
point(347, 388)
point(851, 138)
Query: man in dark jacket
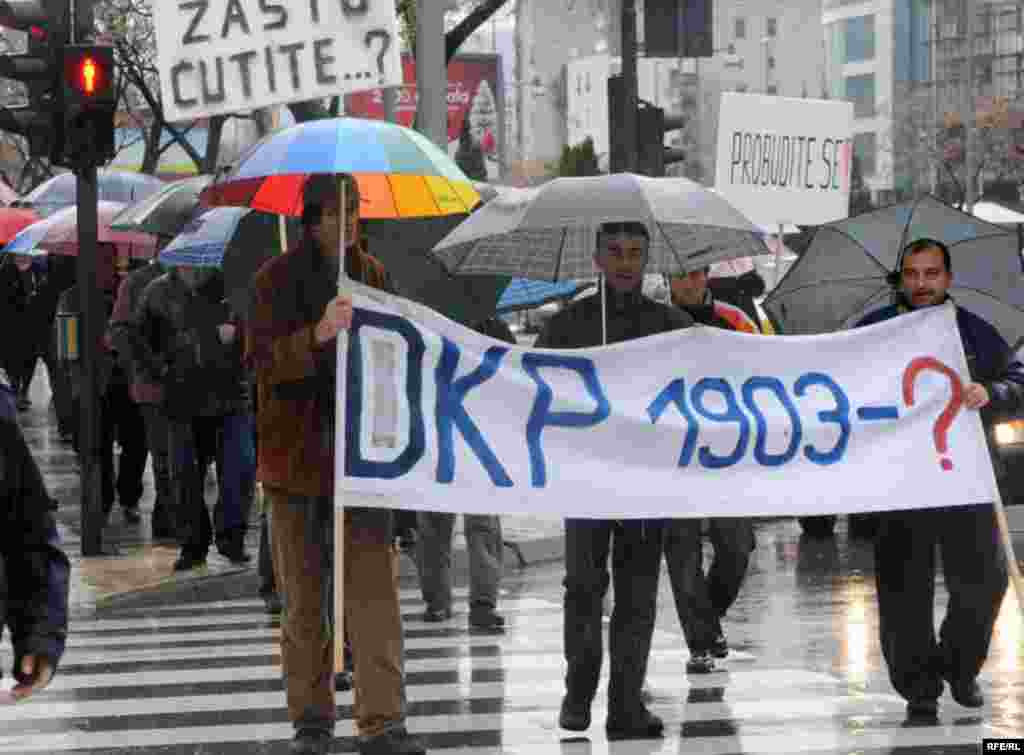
point(297, 314)
point(636, 545)
point(972, 559)
point(701, 601)
point(190, 345)
point(33, 570)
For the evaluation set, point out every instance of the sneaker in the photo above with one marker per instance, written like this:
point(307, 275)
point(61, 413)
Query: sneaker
point(392, 742)
point(232, 547)
point(574, 716)
point(644, 725)
point(483, 617)
point(311, 742)
point(720, 646)
point(923, 710)
point(967, 694)
point(343, 681)
point(700, 663)
point(435, 615)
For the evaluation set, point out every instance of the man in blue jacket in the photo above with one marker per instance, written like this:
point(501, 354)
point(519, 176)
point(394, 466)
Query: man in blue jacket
point(33, 570)
point(972, 559)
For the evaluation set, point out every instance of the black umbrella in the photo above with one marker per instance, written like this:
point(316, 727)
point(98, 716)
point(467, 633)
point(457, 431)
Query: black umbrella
point(166, 212)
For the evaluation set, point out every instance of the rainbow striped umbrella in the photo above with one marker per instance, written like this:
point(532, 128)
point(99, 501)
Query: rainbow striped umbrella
point(401, 174)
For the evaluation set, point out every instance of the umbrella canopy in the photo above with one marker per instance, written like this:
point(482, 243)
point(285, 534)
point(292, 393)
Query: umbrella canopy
point(14, 219)
point(236, 239)
point(993, 212)
point(166, 212)
point(113, 185)
point(59, 234)
point(401, 174)
point(550, 232)
point(842, 274)
point(522, 293)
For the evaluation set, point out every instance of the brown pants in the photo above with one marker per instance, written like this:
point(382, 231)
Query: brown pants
point(301, 546)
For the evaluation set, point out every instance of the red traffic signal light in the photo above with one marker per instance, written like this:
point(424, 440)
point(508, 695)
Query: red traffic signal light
point(88, 74)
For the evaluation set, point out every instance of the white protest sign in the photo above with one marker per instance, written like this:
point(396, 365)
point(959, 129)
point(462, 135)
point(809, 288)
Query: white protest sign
point(225, 56)
point(701, 422)
point(784, 160)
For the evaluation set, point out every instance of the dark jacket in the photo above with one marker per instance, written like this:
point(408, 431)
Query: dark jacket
point(495, 327)
point(108, 372)
point(125, 334)
point(295, 376)
point(33, 570)
point(178, 346)
point(630, 316)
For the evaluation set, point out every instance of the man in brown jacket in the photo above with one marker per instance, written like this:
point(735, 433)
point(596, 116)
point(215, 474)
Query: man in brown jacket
point(296, 317)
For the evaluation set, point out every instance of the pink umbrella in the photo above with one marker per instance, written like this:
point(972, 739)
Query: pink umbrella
point(58, 234)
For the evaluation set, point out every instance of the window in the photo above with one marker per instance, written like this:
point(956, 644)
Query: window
point(771, 62)
point(859, 38)
point(860, 90)
point(740, 28)
point(771, 27)
point(865, 148)
point(773, 89)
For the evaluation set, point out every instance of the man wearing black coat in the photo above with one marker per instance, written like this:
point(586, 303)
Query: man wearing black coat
point(33, 570)
point(635, 546)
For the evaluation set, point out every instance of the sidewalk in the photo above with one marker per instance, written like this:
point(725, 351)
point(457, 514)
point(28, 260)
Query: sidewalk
point(140, 570)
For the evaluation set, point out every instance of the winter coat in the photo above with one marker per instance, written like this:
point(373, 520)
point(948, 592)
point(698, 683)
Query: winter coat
point(124, 332)
point(179, 347)
point(295, 376)
point(631, 315)
point(33, 570)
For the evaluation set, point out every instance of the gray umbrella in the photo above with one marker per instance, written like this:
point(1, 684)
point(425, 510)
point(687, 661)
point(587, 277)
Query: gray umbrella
point(166, 212)
point(842, 275)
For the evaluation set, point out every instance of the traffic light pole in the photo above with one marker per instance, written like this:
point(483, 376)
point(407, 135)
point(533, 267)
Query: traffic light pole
point(91, 331)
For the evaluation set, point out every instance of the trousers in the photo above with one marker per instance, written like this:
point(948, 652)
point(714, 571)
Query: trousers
point(484, 546)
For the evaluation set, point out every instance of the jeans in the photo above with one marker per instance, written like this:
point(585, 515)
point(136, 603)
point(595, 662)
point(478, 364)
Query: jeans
point(483, 541)
point(238, 482)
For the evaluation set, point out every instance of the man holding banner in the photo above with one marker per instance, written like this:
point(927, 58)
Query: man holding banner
point(972, 560)
point(635, 545)
point(296, 317)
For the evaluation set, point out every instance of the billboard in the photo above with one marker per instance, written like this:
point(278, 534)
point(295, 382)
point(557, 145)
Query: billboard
point(476, 111)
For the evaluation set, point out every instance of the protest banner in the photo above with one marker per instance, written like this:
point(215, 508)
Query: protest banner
point(784, 160)
point(226, 56)
point(700, 422)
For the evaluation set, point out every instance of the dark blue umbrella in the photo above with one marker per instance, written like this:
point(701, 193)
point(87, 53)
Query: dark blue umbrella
point(113, 185)
point(524, 293)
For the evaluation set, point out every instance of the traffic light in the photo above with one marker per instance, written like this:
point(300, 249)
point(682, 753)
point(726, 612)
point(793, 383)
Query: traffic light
point(89, 103)
point(652, 123)
point(45, 23)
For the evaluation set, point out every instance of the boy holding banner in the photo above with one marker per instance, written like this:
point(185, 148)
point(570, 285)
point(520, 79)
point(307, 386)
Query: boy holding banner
point(972, 560)
point(297, 315)
point(635, 545)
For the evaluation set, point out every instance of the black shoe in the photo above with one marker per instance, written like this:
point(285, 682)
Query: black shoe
point(187, 561)
point(574, 716)
point(232, 547)
point(272, 602)
point(920, 711)
point(343, 681)
point(24, 404)
point(311, 742)
point(483, 617)
point(720, 646)
point(700, 663)
point(967, 694)
point(131, 514)
point(434, 615)
point(392, 742)
point(162, 529)
point(644, 725)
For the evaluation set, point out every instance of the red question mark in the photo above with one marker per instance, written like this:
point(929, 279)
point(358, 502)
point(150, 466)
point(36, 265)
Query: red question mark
point(956, 401)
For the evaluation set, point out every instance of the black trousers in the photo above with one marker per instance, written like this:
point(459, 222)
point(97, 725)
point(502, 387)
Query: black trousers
point(635, 549)
point(122, 421)
point(701, 601)
point(976, 578)
point(193, 444)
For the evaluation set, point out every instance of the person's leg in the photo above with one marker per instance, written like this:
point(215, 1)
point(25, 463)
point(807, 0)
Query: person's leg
point(636, 565)
point(905, 581)
point(239, 470)
point(306, 658)
point(163, 523)
point(434, 558)
point(587, 543)
point(208, 435)
point(187, 484)
point(976, 575)
point(108, 434)
point(131, 431)
point(484, 549)
point(733, 541)
point(685, 559)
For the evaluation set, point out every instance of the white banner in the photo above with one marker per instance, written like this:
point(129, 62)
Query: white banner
point(784, 160)
point(226, 56)
point(701, 422)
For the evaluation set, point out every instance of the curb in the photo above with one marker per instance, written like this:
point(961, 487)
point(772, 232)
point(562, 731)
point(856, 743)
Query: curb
point(244, 584)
